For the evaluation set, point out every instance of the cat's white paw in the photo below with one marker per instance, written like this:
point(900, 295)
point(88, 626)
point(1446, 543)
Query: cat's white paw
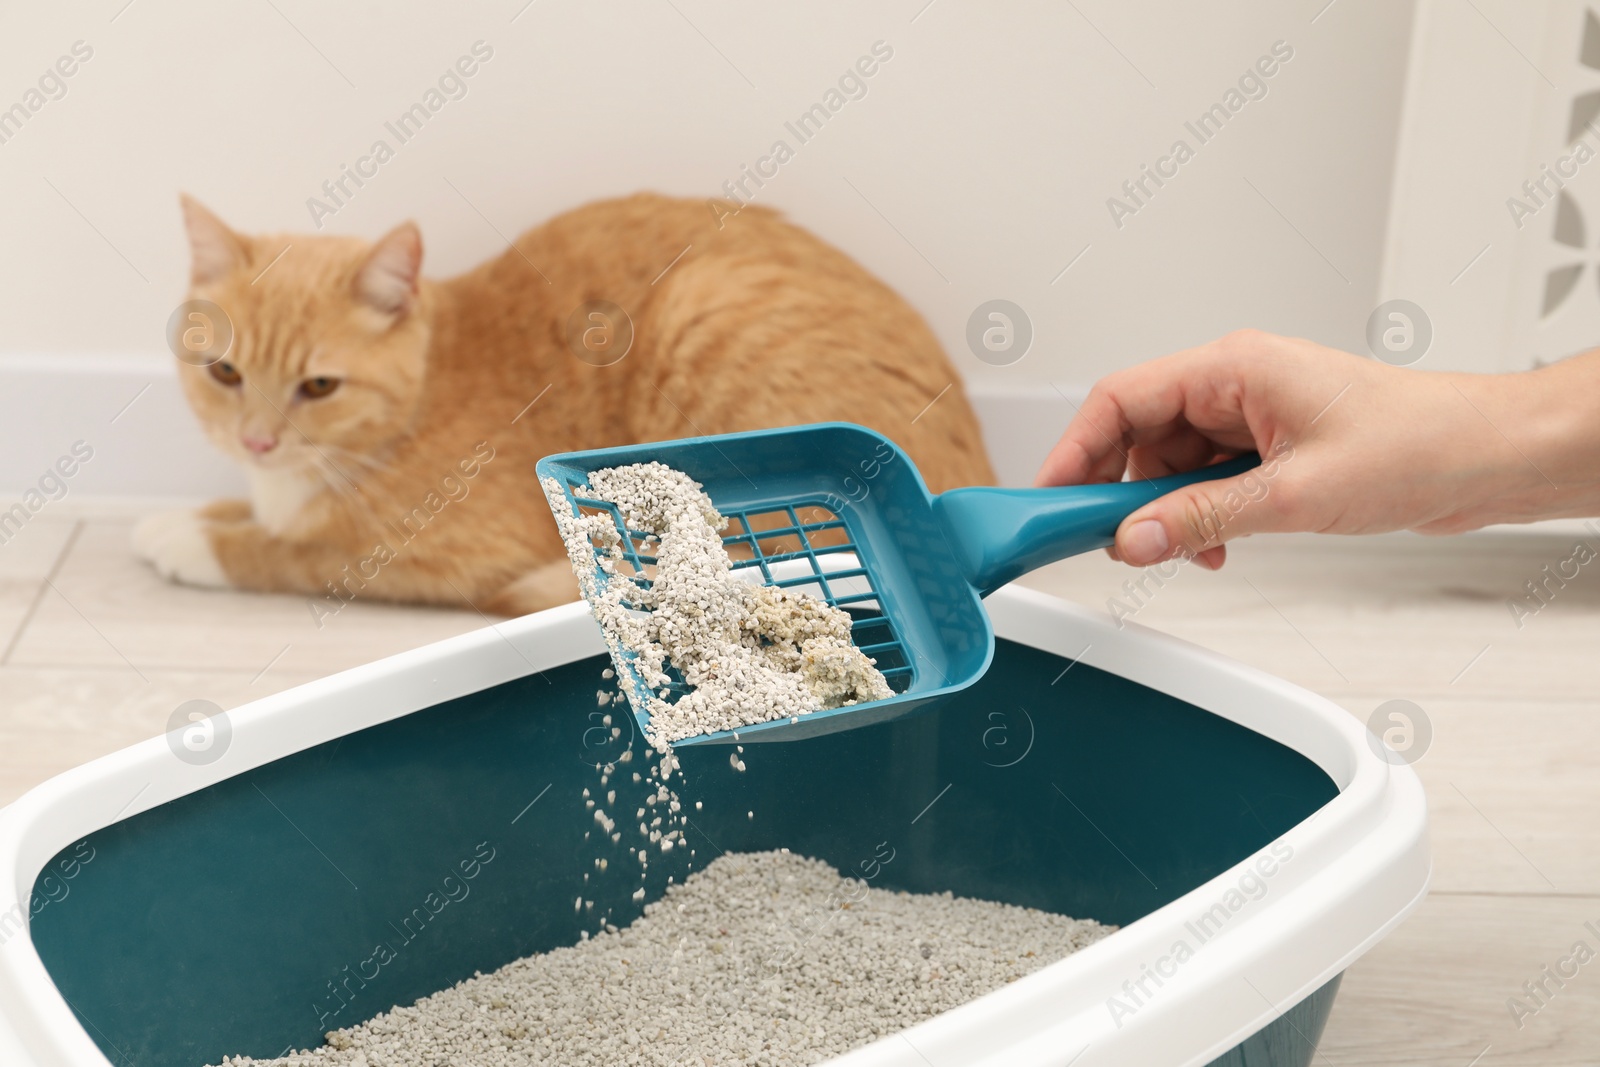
point(175, 543)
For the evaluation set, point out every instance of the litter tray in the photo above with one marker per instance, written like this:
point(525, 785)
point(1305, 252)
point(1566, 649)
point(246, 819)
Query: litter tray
point(184, 910)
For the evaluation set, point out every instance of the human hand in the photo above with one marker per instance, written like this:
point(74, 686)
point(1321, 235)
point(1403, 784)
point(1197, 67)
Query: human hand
point(1348, 445)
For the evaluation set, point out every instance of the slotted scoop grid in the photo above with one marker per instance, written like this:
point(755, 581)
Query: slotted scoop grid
point(822, 540)
point(840, 512)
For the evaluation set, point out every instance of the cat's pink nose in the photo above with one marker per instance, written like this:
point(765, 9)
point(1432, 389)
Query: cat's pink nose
point(261, 444)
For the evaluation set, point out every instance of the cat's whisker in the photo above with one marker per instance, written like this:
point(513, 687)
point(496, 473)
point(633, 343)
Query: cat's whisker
point(314, 463)
point(344, 489)
point(372, 463)
point(347, 490)
point(334, 473)
point(335, 478)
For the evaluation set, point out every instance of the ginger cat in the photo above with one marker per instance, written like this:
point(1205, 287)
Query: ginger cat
point(389, 424)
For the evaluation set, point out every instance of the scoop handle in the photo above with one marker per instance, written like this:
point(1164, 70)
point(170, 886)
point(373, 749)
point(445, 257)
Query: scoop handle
point(1000, 534)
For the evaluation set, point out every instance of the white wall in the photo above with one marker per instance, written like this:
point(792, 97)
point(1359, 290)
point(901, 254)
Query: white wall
point(991, 141)
point(977, 166)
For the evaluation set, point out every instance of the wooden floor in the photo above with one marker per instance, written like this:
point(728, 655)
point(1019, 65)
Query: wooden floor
point(96, 652)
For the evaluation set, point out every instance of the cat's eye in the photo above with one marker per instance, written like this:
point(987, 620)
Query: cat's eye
point(226, 373)
point(317, 388)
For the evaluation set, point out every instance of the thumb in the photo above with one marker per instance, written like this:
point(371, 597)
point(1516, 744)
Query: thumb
point(1197, 517)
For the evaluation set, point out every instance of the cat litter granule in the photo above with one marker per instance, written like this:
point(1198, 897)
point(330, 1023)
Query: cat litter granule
point(762, 958)
point(749, 653)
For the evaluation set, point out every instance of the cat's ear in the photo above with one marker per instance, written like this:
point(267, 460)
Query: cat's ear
point(214, 249)
point(388, 279)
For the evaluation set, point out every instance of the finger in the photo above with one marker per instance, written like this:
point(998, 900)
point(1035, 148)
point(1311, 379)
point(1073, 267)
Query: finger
point(1094, 446)
point(1212, 559)
point(1186, 449)
point(1069, 463)
point(1144, 404)
point(1143, 465)
point(1199, 517)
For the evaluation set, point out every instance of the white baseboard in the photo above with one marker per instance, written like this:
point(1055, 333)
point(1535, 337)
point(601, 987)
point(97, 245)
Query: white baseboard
point(148, 449)
point(128, 409)
point(146, 443)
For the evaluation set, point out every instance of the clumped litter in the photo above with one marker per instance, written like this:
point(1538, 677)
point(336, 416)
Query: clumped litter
point(749, 653)
point(764, 958)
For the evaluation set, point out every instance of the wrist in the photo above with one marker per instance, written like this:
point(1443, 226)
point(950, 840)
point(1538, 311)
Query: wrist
point(1549, 420)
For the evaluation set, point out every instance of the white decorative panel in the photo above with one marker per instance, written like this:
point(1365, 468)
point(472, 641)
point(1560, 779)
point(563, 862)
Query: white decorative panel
point(1495, 222)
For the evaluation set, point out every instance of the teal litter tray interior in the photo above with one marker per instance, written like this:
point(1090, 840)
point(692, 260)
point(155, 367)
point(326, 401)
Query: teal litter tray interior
point(222, 922)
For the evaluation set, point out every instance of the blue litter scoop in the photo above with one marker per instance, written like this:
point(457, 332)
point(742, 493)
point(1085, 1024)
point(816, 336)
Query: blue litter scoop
point(840, 512)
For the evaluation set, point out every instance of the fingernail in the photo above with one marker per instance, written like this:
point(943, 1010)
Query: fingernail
point(1145, 542)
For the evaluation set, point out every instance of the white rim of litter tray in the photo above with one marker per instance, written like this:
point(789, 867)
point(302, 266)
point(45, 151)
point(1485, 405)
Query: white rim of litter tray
point(1359, 866)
